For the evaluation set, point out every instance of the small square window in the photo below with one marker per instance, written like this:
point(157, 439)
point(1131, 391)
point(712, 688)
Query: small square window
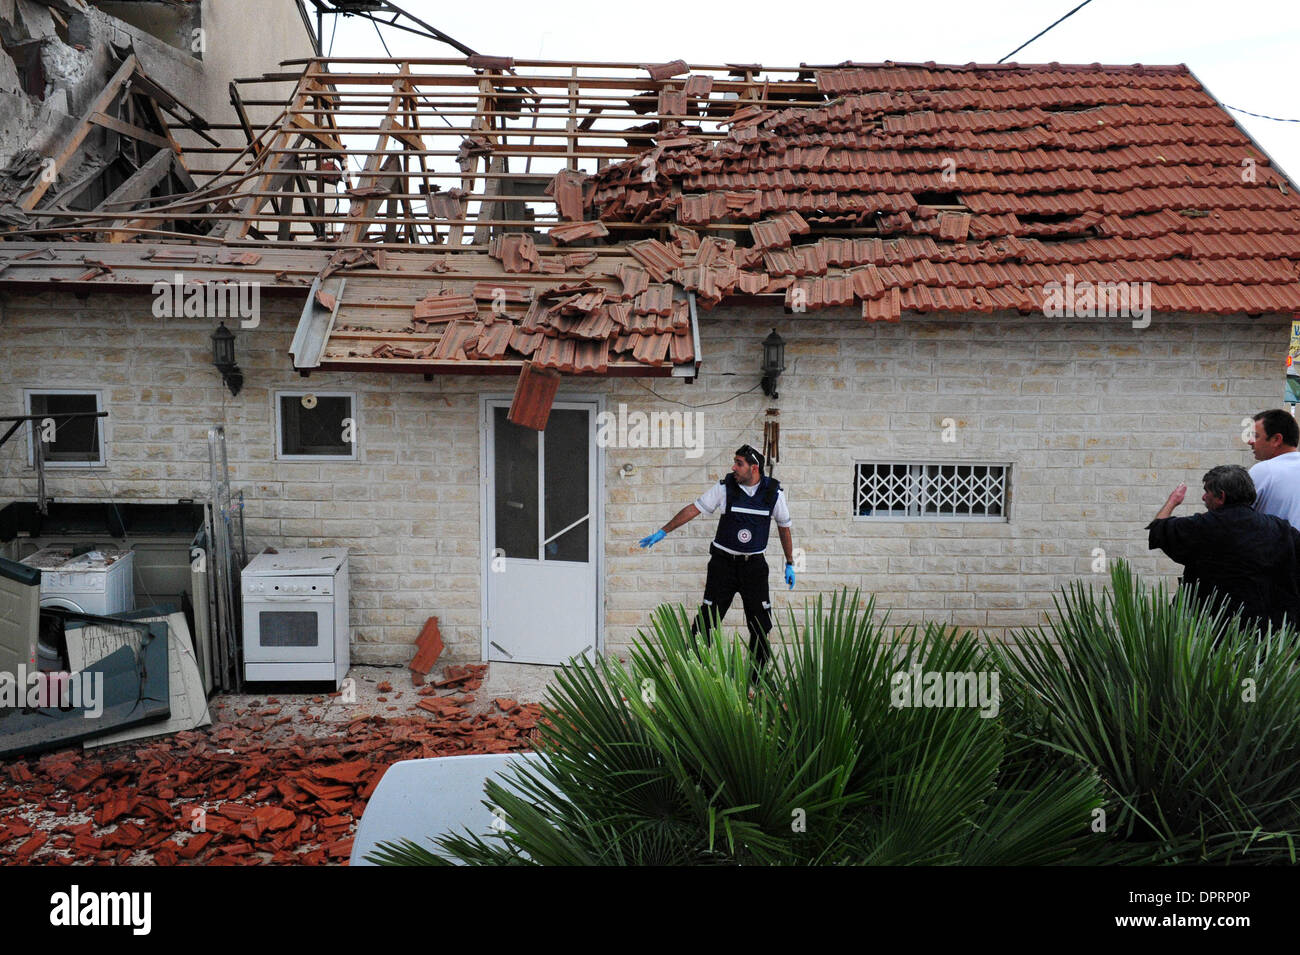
point(315, 424)
point(68, 433)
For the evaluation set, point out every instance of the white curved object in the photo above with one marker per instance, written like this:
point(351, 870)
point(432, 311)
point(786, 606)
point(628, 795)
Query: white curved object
point(421, 799)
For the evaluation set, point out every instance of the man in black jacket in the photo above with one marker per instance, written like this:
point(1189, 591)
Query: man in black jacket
point(1234, 555)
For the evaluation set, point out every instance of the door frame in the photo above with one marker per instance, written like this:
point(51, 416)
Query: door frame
point(485, 403)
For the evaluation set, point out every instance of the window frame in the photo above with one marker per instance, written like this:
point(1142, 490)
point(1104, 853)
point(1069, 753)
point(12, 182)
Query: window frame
point(100, 429)
point(353, 398)
point(1007, 496)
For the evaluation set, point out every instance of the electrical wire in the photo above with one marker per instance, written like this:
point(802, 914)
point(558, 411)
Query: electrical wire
point(1041, 32)
point(381, 39)
point(1276, 119)
point(708, 404)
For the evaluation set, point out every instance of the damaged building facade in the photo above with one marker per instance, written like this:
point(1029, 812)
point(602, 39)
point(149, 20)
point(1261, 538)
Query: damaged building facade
point(440, 273)
point(57, 58)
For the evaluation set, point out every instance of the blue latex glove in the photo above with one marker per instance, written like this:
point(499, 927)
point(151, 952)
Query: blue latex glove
point(789, 575)
point(653, 539)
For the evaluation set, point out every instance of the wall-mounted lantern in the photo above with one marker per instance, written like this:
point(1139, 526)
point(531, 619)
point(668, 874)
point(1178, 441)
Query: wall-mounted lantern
point(223, 357)
point(773, 362)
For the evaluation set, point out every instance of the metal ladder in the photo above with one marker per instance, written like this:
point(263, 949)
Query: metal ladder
point(228, 546)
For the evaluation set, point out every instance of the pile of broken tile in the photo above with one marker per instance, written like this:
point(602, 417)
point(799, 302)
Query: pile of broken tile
point(257, 787)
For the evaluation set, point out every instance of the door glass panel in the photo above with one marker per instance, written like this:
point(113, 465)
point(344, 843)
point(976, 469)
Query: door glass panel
point(515, 491)
point(567, 444)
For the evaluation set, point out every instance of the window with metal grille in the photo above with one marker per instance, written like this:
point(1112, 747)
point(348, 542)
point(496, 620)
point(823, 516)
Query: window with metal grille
point(938, 492)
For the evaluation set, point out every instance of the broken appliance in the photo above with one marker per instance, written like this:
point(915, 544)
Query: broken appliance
point(89, 580)
point(98, 582)
point(172, 561)
point(296, 615)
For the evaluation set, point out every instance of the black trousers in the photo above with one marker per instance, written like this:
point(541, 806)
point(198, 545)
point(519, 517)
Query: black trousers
point(730, 575)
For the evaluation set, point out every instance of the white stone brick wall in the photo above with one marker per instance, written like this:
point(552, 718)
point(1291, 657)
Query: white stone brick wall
point(1098, 421)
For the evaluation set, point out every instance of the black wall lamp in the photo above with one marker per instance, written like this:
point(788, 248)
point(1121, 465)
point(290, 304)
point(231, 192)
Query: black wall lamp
point(223, 356)
point(773, 362)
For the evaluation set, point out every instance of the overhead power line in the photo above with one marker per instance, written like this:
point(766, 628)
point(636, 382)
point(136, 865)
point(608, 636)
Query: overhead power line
point(1276, 119)
point(1041, 32)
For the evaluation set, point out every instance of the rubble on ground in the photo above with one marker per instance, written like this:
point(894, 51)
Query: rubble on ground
point(269, 783)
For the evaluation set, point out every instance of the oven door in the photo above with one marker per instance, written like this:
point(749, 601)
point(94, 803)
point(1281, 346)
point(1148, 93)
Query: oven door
point(288, 629)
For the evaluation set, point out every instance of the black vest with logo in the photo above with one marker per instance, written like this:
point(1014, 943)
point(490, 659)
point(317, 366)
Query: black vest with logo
point(745, 520)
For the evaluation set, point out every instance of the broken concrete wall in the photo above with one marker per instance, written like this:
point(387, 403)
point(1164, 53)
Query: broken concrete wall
point(76, 44)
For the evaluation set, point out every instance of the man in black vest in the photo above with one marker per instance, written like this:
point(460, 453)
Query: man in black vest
point(749, 501)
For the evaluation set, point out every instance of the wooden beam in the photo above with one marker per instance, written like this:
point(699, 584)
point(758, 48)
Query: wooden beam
point(127, 129)
point(273, 159)
point(141, 181)
point(70, 146)
point(373, 174)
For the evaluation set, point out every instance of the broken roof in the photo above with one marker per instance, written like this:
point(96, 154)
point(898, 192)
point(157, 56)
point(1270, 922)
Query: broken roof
point(497, 210)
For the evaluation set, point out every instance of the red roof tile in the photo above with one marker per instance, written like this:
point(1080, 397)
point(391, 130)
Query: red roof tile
point(576, 231)
point(518, 253)
point(566, 188)
point(651, 349)
point(983, 183)
point(657, 300)
point(525, 342)
point(502, 291)
point(454, 340)
point(634, 278)
point(591, 357)
point(555, 353)
point(659, 259)
point(493, 341)
point(444, 307)
point(887, 308)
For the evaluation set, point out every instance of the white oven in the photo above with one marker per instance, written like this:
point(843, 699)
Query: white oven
point(296, 615)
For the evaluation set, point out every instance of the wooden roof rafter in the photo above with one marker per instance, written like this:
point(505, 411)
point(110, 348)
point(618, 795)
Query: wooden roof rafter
point(521, 127)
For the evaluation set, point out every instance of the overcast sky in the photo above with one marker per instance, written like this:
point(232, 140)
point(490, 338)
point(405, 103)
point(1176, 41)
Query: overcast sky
point(1245, 52)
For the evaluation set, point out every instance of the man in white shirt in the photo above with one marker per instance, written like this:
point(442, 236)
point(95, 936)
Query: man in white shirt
point(749, 501)
point(1277, 473)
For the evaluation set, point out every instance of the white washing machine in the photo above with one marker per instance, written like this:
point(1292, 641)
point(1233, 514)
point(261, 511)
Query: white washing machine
point(101, 582)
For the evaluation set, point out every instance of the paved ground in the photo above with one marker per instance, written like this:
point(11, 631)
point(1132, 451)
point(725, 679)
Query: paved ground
point(522, 682)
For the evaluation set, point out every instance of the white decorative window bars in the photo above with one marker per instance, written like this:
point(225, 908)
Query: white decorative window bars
point(935, 492)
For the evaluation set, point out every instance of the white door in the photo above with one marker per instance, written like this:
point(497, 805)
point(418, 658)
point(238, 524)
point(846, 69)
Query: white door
point(541, 544)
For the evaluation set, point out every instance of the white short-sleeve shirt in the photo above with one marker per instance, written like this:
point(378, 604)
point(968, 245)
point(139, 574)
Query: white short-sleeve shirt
point(716, 496)
point(1277, 486)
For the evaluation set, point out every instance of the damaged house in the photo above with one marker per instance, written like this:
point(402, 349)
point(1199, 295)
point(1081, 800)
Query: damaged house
point(494, 320)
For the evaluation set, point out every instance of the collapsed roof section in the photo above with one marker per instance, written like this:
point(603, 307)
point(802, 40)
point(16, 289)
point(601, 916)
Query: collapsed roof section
point(475, 213)
point(133, 159)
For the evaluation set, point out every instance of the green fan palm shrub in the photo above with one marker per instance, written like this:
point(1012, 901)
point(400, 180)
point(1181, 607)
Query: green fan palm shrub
point(1191, 719)
point(677, 758)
